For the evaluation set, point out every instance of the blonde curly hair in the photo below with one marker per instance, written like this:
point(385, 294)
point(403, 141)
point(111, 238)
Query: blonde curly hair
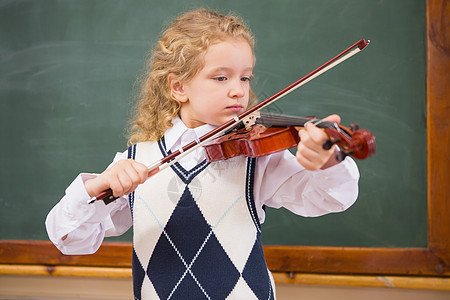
point(180, 51)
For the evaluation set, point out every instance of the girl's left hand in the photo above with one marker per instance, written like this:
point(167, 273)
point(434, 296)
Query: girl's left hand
point(310, 153)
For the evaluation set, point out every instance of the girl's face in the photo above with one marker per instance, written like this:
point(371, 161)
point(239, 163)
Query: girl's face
point(220, 91)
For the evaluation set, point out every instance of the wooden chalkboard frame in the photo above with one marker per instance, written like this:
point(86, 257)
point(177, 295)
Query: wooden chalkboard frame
point(431, 261)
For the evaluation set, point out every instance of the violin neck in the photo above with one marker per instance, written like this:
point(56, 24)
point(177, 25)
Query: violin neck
point(278, 120)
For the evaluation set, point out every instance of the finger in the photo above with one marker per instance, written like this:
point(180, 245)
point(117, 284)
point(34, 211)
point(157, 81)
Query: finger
point(126, 180)
point(138, 174)
point(307, 152)
point(115, 185)
point(111, 178)
point(304, 135)
point(134, 179)
point(311, 159)
point(333, 118)
point(313, 137)
point(142, 171)
point(311, 154)
point(306, 142)
point(134, 171)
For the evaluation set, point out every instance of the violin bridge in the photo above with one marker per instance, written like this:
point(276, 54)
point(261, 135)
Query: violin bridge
point(249, 120)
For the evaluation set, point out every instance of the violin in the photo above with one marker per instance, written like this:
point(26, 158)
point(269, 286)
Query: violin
point(354, 143)
point(276, 133)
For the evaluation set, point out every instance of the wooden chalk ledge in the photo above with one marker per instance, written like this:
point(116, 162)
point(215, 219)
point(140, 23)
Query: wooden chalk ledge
point(403, 282)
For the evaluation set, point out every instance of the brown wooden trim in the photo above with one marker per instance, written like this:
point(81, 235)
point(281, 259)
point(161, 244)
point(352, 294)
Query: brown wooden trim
point(438, 132)
point(347, 260)
point(399, 282)
point(431, 261)
point(350, 260)
point(406, 282)
point(45, 253)
point(65, 271)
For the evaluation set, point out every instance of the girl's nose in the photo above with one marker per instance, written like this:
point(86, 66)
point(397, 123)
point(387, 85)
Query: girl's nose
point(237, 89)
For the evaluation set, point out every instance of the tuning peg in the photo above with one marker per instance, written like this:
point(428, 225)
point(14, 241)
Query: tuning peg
point(329, 143)
point(353, 127)
point(340, 155)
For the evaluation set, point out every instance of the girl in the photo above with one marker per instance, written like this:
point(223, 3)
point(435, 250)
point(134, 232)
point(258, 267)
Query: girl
point(197, 224)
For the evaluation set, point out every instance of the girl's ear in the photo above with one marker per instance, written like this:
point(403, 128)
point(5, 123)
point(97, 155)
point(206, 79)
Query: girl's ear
point(176, 88)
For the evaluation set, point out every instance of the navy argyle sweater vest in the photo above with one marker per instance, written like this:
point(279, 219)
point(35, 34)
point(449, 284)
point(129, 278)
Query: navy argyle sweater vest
point(196, 232)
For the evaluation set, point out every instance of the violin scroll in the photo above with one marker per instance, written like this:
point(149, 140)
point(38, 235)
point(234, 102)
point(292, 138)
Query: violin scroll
point(358, 143)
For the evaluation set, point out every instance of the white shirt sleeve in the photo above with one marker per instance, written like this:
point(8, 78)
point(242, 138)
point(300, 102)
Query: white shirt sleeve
point(280, 181)
point(85, 225)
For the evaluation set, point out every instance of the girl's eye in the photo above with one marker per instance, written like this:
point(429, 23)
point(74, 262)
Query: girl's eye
point(220, 78)
point(245, 79)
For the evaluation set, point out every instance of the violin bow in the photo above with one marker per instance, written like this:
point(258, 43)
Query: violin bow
point(175, 156)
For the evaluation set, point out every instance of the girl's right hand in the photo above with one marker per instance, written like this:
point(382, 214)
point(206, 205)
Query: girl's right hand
point(122, 178)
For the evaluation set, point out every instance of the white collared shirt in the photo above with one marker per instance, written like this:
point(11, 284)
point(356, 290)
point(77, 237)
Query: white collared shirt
point(280, 181)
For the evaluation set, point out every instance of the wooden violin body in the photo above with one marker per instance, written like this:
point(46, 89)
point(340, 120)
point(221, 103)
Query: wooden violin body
point(262, 140)
point(258, 141)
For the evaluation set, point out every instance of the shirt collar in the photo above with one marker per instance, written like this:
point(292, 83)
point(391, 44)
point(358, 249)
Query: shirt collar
point(173, 135)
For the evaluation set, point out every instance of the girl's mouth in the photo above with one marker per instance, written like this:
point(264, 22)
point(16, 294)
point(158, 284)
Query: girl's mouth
point(235, 108)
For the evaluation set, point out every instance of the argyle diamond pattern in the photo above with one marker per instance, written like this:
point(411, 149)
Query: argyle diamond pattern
point(188, 261)
point(255, 273)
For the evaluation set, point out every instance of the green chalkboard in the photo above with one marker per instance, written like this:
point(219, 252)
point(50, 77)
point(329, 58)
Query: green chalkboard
point(67, 74)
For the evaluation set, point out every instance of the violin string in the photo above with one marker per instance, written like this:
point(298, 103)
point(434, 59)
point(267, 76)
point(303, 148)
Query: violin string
point(285, 120)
